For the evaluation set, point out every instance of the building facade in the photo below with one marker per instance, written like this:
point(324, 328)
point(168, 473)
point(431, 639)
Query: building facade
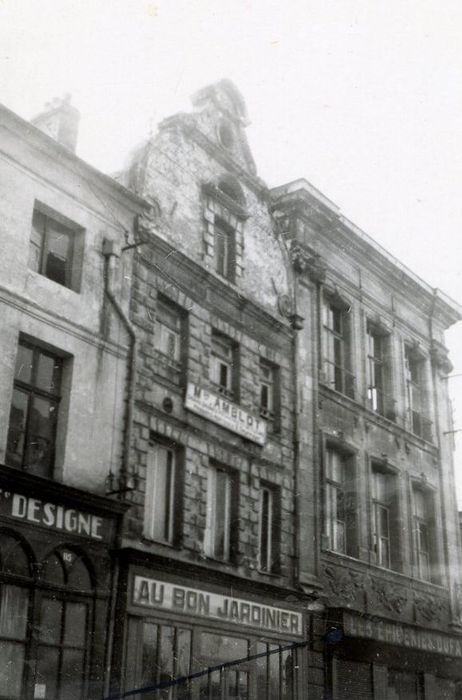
point(63, 373)
point(388, 556)
point(225, 435)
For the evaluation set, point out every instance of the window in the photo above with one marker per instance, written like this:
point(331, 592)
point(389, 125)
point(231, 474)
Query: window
point(34, 410)
point(55, 250)
point(224, 365)
point(423, 532)
point(377, 373)
point(268, 535)
point(224, 249)
point(414, 368)
point(168, 331)
point(339, 505)
point(385, 518)
point(337, 350)
point(220, 529)
point(161, 488)
point(269, 391)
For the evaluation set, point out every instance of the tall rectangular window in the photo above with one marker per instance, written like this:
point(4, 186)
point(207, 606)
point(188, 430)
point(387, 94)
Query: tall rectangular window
point(381, 516)
point(224, 249)
point(221, 507)
point(423, 532)
point(161, 486)
point(224, 361)
point(339, 503)
point(168, 330)
point(415, 388)
point(268, 529)
point(54, 250)
point(337, 348)
point(34, 410)
point(377, 389)
point(269, 390)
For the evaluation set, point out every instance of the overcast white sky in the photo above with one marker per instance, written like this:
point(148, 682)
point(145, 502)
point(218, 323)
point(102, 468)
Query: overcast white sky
point(361, 97)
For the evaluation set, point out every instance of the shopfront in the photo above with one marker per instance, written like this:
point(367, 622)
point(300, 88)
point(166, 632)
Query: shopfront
point(55, 587)
point(378, 659)
point(248, 646)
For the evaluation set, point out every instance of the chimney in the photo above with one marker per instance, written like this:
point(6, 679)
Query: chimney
point(60, 121)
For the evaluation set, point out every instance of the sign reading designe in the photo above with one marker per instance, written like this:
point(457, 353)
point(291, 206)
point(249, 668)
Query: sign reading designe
point(150, 593)
point(218, 409)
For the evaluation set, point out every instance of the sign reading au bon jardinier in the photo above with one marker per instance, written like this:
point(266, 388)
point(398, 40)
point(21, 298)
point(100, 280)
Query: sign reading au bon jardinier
point(54, 516)
point(162, 595)
point(230, 415)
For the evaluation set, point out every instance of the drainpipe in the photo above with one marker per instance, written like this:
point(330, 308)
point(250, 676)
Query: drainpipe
point(108, 253)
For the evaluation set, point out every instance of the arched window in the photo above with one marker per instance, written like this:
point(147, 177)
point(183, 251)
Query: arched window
point(65, 614)
point(15, 562)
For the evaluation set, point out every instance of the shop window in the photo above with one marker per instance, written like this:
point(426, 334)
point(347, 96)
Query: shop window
point(404, 685)
point(268, 529)
point(157, 653)
point(221, 522)
point(339, 503)
point(224, 365)
point(14, 607)
point(56, 249)
point(415, 389)
point(378, 374)
point(34, 410)
point(276, 672)
point(423, 514)
point(162, 498)
point(169, 331)
point(385, 523)
point(337, 347)
point(269, 392)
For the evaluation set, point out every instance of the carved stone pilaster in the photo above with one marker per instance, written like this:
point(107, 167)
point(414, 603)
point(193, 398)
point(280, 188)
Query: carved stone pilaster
point(307, 263)
point(440, 357)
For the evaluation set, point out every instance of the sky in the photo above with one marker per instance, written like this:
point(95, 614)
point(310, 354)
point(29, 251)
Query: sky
point(361, 97)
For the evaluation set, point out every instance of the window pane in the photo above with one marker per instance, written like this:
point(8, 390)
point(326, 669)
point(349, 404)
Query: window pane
point(57, 263)
point(165, 658)
point(16, 433)
point(222, 515)
point(183, 652)
point(79, 576)
point(40, 436)
point(72, 673)
point(273, 674)
point(48, 373)
point(149, 655)
point(160, 485)
point(287, 680)
point(75, 624)
point(47, 670)
point(50, 621)
point(13, 612)
point(11, 669)
point(53, 570)
point(23, 369)
point(220, 648)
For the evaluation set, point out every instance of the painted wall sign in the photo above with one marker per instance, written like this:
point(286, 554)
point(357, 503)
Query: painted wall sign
point(150, 593)
point(410, 637)
point(55, 516)
point(220, 410)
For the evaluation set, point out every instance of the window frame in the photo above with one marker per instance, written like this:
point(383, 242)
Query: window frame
point(337, 348)
point(168, 307)
point(376, 370)
point(225, 263)
point(425, 571)
point(414, 372)
point(343, 492)
point(39, 245)
point(272, 534)
point(33, 391)
point(224, 353)
point(380, 504)
point(229, 513)
point(172, 524)
point(270, 412)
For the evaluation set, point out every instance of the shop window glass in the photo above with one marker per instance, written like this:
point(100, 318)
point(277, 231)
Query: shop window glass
point(13, 558)
point(34, 410)
point(79, 576)
point(11, 670)
point(54, 570)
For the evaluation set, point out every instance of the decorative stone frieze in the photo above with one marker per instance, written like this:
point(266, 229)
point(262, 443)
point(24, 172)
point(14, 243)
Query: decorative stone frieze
point(428, 608)
point(344, 585)
point(387, 596)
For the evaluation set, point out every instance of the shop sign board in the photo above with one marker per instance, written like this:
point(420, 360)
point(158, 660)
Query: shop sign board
point(220, 410)
point(162, 595)
point(54, 516)
point(402, 635)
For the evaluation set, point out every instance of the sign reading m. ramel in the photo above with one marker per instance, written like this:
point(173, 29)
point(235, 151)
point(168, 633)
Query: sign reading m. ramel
point(220, 410)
